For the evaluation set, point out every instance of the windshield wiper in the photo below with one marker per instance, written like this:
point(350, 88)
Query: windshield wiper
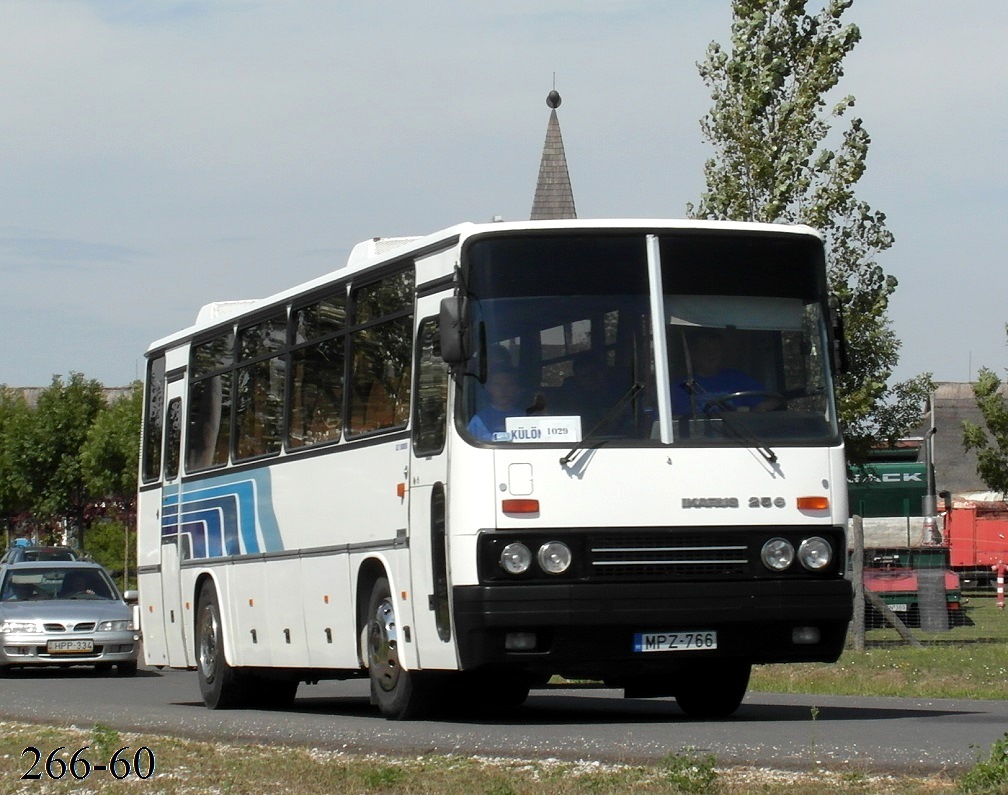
point(746, 437)
point(617, 407)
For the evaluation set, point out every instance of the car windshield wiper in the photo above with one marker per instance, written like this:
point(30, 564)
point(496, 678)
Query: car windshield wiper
point(617, 407)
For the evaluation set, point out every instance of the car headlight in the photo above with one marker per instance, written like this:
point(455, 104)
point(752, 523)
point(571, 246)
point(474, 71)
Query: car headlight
point(515, 558)
point(116, 626)
point(11, 625)
point(815, 553)
point(554, 557)
point(777, 554)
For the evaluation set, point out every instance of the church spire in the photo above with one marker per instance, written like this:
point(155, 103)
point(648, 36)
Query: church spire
point(554, 197)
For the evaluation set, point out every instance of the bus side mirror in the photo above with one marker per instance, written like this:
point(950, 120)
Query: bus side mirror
point(454, 326)
point(840, 360)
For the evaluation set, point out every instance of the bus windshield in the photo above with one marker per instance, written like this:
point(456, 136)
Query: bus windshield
point(564, 353)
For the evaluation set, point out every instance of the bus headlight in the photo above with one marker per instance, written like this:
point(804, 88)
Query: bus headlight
point(554, 557)
point(515, 558)
point(777, 554)
point(815, 553)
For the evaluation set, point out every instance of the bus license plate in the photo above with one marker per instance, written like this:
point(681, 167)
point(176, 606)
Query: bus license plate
point(675, 641)
point(69, 646)
point(898, 608)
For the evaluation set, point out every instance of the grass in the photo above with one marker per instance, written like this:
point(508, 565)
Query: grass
point(184, 767)
point(969, 661)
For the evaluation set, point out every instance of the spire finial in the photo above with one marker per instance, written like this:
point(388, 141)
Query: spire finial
point(553, 99)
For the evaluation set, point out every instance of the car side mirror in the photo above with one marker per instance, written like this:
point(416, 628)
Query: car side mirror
point(131, 597)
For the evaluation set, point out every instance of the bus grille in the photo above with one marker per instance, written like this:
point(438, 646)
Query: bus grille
point(666, 555)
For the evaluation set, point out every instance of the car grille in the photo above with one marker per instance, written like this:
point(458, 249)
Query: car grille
point(665, 555)
point(83, 626)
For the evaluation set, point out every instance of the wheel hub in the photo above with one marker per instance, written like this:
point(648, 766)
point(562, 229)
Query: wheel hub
point(383, 643)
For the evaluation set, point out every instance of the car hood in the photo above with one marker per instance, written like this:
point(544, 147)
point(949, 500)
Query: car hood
point(65, 610)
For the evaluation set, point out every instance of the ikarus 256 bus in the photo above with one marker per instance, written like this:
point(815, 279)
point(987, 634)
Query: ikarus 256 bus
point(468, 462)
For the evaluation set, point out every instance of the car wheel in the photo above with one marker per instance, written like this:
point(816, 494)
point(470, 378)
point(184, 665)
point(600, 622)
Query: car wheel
point(221, 686)
point(126, 668)
point(399, 694)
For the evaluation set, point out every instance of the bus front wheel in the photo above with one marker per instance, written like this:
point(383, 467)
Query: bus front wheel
point(714, 689)
point(220, 684)
point(399, 694)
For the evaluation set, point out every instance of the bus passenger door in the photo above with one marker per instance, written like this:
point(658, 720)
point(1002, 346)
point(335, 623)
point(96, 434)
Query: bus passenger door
point(172, 542)
point(428, 475)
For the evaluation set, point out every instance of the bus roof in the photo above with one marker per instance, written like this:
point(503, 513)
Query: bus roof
point(375, 251)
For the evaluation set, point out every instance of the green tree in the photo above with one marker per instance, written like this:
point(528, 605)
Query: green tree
point(780, 158)
point(55, 436)
point(15, 489)
point(109, 460)
point(991, 445)
point(111, 449)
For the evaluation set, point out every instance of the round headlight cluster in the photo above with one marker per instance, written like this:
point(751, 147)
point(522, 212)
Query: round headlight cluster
point(777, 554)
point(814, 554)
point(516, 558)
point(554, 557)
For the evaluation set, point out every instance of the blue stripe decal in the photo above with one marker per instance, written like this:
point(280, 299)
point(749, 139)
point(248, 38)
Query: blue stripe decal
point(226, 515)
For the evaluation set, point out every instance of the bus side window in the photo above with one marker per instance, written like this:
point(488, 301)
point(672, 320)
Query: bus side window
point(318, 337)
point(382, 353)
point(173, 438)
point(209, 423)
point(430, 421)
point(153, 418)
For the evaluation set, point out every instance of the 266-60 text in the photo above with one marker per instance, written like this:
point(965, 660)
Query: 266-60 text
point(120, 764)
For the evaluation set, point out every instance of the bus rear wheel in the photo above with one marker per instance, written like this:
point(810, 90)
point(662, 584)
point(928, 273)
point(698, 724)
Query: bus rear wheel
point(714, 689)
point(221, 686)
point(399, 694)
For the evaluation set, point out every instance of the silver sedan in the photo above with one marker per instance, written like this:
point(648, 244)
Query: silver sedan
point(65, 613)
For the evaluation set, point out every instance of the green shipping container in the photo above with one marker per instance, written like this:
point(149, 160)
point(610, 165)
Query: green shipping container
point(887, 489)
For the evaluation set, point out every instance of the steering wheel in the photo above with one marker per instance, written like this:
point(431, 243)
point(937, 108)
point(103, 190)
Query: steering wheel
point(776, 399)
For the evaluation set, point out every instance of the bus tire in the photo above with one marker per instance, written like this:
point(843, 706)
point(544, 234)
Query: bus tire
point(220, 685)
point(714, 689)
point(399, 694)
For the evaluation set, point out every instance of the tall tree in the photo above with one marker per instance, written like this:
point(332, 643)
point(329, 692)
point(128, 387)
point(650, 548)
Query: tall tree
point(15, 489)
point(781, 158)
point(991, 441)
point(56, 434)
point(111, 451)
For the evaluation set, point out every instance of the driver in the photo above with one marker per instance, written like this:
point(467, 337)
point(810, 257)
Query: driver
point(712, 381)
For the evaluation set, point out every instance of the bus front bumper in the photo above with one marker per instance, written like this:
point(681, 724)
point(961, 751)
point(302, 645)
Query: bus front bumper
point(591, 631)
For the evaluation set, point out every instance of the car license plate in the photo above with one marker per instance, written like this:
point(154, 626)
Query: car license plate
point(697, 640)
point(69, 646)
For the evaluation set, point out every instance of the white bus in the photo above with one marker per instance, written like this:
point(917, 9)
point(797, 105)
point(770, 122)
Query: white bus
point(334, 482)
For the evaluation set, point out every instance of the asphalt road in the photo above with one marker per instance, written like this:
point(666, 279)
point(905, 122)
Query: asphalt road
point(769, 730)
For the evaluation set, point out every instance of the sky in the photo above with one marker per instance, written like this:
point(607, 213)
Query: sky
point(156, 155)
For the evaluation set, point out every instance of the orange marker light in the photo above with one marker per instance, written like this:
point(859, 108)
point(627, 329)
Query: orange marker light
point(813, 503)
point(520, 506)
point(325, 598)
point(400, 490)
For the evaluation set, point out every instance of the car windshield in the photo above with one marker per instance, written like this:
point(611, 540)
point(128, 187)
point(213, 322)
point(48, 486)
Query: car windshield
point(38, 583)
point(47, 553)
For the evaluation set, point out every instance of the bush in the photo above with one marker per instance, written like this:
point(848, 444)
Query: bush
point(989, 775)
